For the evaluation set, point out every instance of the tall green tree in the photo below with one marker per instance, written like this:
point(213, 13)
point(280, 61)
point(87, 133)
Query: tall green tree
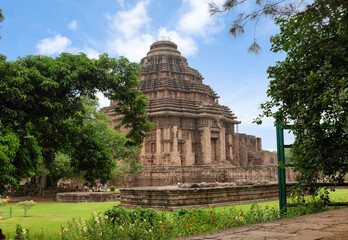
point(42, 112)
point(309, 89)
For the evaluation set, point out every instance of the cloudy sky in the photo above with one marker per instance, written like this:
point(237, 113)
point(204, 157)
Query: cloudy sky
point(128, 27)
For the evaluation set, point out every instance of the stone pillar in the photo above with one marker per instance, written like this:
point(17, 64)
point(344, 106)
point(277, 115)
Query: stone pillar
point(206, 145)
point(189, 154)
point(158, 146)
point(175, 154)
point(222, 145)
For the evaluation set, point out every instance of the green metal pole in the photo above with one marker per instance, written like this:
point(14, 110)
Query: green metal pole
point(281, 168)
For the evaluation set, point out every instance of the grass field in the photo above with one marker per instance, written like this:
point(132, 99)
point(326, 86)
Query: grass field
point(49, 217)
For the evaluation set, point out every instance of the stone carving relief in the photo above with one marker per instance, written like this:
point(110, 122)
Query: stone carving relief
point(128, 180)
point(221, 176)
point(177, 177)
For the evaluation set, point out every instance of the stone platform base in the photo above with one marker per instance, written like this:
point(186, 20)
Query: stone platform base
point(173, 197)
point(78, 197)
point(164, 176)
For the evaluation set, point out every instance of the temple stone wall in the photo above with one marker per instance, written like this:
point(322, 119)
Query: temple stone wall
point(191, 129)
point(162, 176)
point(171, 198)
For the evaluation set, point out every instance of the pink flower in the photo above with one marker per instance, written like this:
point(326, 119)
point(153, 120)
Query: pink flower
point(85, 229)
point(213, 219)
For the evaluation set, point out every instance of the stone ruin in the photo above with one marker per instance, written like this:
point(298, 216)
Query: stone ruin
point(195, 139)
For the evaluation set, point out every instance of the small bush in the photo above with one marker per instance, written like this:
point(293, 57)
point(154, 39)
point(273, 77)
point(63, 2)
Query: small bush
point(26, 205)
point(112, 188)
point(3, 202)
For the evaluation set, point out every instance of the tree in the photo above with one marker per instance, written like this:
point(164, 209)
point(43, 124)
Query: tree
point(309, 89)
point(124, 157)
point(259, 9)
point(42, 113)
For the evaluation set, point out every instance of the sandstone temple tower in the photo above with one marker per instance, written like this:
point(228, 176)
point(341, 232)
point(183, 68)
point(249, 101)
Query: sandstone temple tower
point(194, 137)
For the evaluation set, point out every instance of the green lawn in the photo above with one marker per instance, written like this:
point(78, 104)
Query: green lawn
point(48, 217)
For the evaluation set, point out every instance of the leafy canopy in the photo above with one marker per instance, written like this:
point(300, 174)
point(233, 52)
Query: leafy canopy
point(42, 112)
point(309, 89)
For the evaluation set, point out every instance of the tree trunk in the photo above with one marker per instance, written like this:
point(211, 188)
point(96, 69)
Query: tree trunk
point(41, 183)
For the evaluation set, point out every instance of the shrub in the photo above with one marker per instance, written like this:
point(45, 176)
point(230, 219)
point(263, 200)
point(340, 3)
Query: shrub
point(138, 223)
point(3, 202)
point(112, 188)
point(26, 205)
point(122, 215)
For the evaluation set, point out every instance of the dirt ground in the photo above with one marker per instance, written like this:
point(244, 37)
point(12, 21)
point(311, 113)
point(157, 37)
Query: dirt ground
point(331, 225)
point(28, 198)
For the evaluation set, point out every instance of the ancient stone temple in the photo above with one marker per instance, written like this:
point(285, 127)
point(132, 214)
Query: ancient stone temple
point(195, 138)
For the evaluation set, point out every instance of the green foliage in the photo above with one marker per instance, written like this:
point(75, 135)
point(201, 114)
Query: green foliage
point(26, 205)
point(47, 218)
point(3, 202)
point(122, 215)
point(43, 113)
point(140, 223)
point(309, 90)
point(112, 188)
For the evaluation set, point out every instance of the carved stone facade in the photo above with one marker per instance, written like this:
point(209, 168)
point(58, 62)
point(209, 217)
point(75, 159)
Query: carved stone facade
point(191, 128)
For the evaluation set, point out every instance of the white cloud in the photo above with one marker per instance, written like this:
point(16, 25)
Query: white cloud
point(129, 35)
point(128, 23)
point(91, 53)
point(134, 49)
point(127, 32)
point(72, 25)
point(186, 45)
point(50, 46)
point(58, 44)
point(197, 20)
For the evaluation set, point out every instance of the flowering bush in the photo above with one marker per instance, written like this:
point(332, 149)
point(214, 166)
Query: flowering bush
point(138, 223)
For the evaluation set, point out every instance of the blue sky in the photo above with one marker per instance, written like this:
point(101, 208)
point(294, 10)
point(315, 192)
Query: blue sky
point(128, 27)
